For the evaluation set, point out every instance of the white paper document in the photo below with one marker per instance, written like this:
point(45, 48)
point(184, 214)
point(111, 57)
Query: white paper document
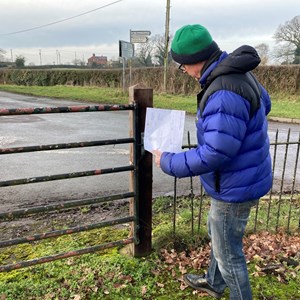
point(164, 129)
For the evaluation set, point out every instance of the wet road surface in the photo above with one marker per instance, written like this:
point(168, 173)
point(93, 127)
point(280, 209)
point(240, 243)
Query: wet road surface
point(29, 130)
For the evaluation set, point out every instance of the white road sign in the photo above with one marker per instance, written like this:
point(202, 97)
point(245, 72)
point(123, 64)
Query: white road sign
point(139, 39)
point(140, 32)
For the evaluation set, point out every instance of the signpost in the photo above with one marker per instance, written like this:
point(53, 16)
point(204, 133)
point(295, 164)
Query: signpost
point(139, 36)
point(126, 49)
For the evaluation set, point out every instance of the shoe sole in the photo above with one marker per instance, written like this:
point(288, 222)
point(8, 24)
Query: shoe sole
point(210, 292)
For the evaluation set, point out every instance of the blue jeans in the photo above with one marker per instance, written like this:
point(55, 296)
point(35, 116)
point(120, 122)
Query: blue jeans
point(226, 227)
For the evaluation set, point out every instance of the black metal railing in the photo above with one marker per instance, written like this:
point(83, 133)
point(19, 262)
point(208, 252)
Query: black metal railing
point(279, 209)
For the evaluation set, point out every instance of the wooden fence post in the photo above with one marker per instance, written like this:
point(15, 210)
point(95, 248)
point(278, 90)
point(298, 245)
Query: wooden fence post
point(141, 178)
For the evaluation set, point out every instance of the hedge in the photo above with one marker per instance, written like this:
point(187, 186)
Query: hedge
point(274, 78)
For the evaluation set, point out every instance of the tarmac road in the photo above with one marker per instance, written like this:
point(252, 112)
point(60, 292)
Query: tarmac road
point(29, 130)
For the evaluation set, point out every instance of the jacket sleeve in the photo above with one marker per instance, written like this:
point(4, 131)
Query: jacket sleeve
point(266, 100)
point(224, 126)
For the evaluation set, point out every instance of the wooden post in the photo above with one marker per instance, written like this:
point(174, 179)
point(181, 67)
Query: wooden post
point(141, 178)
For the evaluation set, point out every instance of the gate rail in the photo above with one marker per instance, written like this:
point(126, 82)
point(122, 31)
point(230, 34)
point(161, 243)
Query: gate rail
point(140, 164)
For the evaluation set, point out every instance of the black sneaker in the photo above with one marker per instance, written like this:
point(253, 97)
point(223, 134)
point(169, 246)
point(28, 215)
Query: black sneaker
point(200, 283)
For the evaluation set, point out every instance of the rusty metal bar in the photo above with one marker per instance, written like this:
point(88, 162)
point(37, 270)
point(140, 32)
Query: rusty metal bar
point(285, 143)
point(28, 263)
point(256, 216)
point(58, 233)
point(65, 176)
point(282, 179)
point(174, 205)
point(293, 184)
point(65, 146)
point(273, 172)
point(271, 144)
point(189, 146)
point(200, 208)
point(64, 109)
point(191, 188)
point(64, 205)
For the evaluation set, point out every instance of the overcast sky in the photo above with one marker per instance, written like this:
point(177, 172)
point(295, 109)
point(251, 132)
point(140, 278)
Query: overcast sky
point(231, 23)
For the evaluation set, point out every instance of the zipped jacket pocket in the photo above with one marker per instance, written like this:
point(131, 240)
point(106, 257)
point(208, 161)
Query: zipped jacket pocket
point(217, 181)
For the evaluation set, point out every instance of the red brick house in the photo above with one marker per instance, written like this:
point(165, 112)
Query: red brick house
point(97, 60)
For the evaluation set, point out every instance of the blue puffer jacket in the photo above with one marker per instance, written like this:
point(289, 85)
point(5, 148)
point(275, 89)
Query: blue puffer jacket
point(232, 156)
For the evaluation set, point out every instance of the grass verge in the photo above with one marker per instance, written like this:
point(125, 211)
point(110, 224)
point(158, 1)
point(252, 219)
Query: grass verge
point(283, 105)
point(115, 275)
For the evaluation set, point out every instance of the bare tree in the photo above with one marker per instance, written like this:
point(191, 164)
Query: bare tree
point(289, 34)
point(284, 54)
point(152, 52)
point(160, 49)
point(263, 52)
point(159, 55)
point(144, 54)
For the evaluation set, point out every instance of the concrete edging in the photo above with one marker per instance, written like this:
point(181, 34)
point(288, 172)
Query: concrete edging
point(284, 120)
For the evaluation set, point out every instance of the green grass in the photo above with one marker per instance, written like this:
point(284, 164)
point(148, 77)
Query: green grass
point(90, 94)
point(114, 275)
point(118, 277)
point(283, 105)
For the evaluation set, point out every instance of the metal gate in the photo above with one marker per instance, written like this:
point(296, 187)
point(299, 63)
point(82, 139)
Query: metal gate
point(285, 153)
point(139, 167)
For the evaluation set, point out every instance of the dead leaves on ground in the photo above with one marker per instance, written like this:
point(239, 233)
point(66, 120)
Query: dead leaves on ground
point(174, 262)
point(277, 254)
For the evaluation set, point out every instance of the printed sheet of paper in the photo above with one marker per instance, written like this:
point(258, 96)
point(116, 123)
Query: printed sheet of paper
point(164, 129)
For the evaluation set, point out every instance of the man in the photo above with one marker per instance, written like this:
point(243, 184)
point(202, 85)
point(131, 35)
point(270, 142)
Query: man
point(232, 156)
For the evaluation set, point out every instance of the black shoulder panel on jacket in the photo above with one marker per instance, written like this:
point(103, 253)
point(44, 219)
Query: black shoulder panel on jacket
point(245, 85)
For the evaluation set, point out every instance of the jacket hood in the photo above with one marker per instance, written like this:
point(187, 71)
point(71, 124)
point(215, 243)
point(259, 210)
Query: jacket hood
point(242, 60)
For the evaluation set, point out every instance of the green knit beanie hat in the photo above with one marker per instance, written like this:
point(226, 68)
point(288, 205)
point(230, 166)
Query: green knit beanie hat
point(192, 44)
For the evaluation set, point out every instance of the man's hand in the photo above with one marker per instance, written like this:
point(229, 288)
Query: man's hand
point(157, 154)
